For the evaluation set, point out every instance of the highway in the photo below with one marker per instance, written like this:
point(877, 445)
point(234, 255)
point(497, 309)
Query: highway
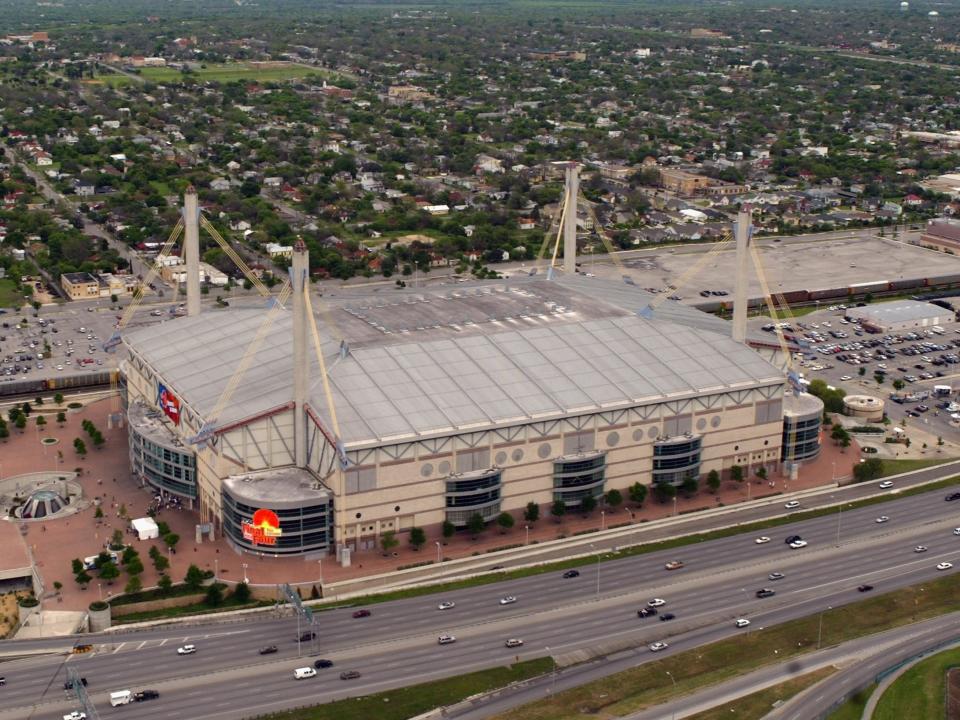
point(397, 645)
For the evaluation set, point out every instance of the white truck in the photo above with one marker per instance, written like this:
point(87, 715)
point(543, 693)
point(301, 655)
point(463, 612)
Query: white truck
point(121, 697)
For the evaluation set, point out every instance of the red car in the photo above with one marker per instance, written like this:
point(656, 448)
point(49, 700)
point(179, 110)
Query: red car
point(361, 613)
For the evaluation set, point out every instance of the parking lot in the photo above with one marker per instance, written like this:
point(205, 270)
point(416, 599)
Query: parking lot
point(849, 357)
point(64, 339)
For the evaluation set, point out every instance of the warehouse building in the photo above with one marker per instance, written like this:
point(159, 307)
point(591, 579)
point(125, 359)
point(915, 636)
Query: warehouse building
point(899, 315)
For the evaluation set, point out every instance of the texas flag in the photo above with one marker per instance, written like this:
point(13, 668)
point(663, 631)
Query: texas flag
point(168, 403)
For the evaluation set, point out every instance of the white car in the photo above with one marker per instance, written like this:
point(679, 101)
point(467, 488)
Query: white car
point(658, 646)
point(762, 540)
point(742, 622)
point(513, 642)
point(446, 639)
point(508, 600)
point(797, 544)
point(75, 715)
point(882, 519)
point(944, 566)
point(657, 602)
point(446, 605)
point(920, 548)
point(792, 504)
point(956, 531)
point(186, 650)
point(885, 484)
point(845, 378)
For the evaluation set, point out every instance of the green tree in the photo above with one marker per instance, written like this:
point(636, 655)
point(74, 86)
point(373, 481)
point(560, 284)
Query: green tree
point(861, 371)
point(83, 578)
point(638, 493)
point(76, 566)
point(161, 563)
point(21, 422)
point(448, 529)
point(868, 470)
point(614, 499)
point(241, 593)
point(134, 585)
point(41, 421)
point(79, 445)
point(164, 583)
point(58, 586)
point(388, 541)
point(532, 512)
point(109, 572)
point(898, 384)
point(558, 509)
point(58, 398)
point(61, 417)
point(116, 540)
point(762, 472)
point(194, 577)
point(736, 473)
point(214, 596)
point(588, 504)
point(171, 540)
point(713, 480)
point(162, 528)
point(134, 567)
point(418, 538)
point(505, 521)
point(689, 486)
point(664, 492)
point(476, 525)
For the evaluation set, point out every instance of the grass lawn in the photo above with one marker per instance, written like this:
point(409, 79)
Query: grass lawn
point(198, 608)
point(919, 694)
point(111, 79)
point(226, 72)
point(852, 709)
point(408, 702)
point(646, 686)
point(9, 297)
point(893, 467)
point(759, 704)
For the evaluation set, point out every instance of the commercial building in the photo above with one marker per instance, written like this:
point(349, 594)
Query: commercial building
point(863, 407)
point(802, 418)
point(899, 315)
point(80, 285)
point(942, 234)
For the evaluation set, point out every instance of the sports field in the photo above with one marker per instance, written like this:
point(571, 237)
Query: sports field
point(274, 71)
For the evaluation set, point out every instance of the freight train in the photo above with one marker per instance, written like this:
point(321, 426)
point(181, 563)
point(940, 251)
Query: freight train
point(89, 381)
point(855, 290)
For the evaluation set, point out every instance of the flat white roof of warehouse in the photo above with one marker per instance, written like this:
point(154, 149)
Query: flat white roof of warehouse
point(898, 311)
point(435, 362)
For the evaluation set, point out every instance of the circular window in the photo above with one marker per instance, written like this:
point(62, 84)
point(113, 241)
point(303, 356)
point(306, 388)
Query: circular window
point(612, 439)
point(766, 442)
point(653, 433)
point(736, 447)
point(517, 455)
point(426, 470)
point(444, 468)
point(501, 458)
point(637, 435)
point(544, 450)
point(715, 421)
point(702, 424)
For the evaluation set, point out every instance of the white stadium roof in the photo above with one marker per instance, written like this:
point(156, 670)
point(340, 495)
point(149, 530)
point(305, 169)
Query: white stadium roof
point(446, 361)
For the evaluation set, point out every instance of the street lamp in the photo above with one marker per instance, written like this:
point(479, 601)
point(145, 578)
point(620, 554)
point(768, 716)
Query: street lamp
point(320, 563)
point(100, 590)
point(674, 711)
point(674, 505)
point(833, 471)
point(553, 672)
point(820, 627)
point(246, 580)
point(527, 528)
point(437, 543)
point(603, 520)
point(216, 568)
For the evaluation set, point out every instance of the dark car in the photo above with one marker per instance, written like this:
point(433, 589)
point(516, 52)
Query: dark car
point(765, 592)
point(68, 685)
point(646, 612)
point(269, 650)
point(865, 588)
point(792, 539)
point(667, 616)
point(309, 635)
point(362, 613)
point(349, 675)
point(146, 695)
point(571, 574)
point(952, 496)
point(319, 664)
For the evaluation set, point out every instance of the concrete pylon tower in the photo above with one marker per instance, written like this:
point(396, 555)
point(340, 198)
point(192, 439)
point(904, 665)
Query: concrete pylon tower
point(741, 229)
point(570, 220)
point(299, 281)
point(191, 249)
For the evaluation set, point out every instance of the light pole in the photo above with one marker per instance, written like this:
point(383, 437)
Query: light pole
point(839, 518)
point(527, 528)
point(674, 505)
point(603, 520)
point(820, 627)
point(216, 568)
point(100, 590)
point(553, 672)
point(320, 563)
point(246, 580)
point(833, 471)
point(673, 714)
point(437, 543)
point(598, 569)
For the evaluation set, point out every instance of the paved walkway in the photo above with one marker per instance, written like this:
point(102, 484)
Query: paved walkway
point(105, 475)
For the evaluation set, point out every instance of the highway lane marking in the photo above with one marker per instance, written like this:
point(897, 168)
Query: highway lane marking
point(163, 642)
point(118, 648)
point(142, 644)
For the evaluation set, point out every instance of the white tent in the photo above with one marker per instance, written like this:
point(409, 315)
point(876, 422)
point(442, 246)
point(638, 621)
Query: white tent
point(146, 528)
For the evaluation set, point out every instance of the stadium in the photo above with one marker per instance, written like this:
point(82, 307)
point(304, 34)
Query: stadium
point(399, 408)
